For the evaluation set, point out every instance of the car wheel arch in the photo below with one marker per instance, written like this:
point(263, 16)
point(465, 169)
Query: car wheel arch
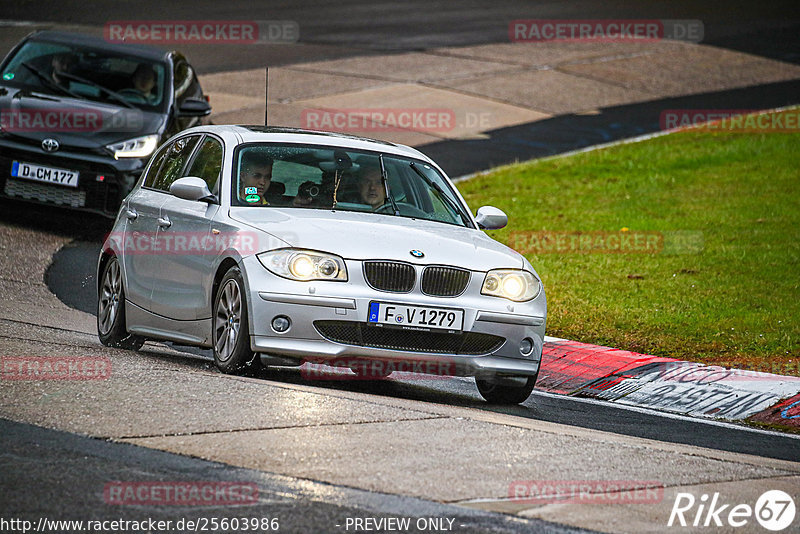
point(224, 266)
point(105, 257)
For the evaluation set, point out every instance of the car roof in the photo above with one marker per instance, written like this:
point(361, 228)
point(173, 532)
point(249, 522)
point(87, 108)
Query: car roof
point(81, 39)
point(279, 134)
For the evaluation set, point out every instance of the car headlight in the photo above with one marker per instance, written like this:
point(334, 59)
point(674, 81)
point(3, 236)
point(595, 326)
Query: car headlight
point(304, 265)
point(140, 147)
point(511, 284)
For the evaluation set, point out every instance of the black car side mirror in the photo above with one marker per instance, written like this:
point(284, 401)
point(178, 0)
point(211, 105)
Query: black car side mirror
point(194, 107)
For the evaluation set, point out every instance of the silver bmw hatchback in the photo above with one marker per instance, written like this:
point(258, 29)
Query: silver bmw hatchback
point(276, 246)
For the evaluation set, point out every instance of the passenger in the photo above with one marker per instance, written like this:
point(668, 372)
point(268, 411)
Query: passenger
point(256, 172)
point(309, 193)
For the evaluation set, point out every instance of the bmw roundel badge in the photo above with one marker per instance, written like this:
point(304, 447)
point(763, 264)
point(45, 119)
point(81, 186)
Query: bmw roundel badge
point(416, 253)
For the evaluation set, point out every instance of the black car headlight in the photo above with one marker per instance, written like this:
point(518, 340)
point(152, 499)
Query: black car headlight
point(139, 147)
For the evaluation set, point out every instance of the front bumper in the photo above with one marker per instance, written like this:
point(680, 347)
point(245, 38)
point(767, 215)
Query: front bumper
point(102, 181)
point(329, 325)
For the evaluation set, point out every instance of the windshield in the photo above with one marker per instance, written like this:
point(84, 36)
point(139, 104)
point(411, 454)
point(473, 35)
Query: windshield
point(88, 73)
point(314, 177)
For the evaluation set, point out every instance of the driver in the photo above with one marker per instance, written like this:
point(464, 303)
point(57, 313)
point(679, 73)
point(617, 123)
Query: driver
point(370, 187)
point(62, 63)
point(144, 81)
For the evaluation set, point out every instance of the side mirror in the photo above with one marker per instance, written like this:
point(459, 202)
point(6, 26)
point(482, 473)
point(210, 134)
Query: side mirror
point(191, 188)
point(194, 107)
point(491, 218)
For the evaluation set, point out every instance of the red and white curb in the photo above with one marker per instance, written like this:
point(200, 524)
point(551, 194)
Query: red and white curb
point(666, 384)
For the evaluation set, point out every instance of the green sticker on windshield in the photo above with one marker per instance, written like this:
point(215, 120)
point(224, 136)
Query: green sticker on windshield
point(252, 198)
point(8, 76)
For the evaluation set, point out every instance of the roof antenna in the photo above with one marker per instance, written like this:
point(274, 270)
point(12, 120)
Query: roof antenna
point(266, 96)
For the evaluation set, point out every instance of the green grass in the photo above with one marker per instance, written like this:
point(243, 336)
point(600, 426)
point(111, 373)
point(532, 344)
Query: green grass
point(730, 298)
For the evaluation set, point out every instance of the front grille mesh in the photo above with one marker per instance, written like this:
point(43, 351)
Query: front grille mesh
point(444, 281)
point(54, 194)
point(390, 276)
point(363, 335)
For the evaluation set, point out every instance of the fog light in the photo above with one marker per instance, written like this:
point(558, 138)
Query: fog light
point(526, 346)
point(281, 324)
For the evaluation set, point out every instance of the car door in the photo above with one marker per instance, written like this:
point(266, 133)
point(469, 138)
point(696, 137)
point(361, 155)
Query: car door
point(135, 242)
point(147, 254)
point(182, 282)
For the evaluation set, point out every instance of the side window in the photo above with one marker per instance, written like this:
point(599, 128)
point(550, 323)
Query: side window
point(155, 165)
point(207, 163)
point(177, 156)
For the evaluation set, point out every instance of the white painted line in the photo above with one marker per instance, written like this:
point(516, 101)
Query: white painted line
point(667, 415)
point(15, 23)
point(592, 148)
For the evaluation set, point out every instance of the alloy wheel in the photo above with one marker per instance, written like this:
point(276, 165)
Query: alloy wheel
point(227, 320)
point(110, 297)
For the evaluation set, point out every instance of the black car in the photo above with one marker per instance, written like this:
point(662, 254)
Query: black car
point(80, 117)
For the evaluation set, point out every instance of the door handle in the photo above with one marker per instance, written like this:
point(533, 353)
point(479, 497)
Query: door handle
point(131, 214)
point(164, 222)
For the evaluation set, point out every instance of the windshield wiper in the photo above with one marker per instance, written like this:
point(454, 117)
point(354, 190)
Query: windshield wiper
point(386, 186)
point(442, 194)
point(96, 85)
point(47, 81)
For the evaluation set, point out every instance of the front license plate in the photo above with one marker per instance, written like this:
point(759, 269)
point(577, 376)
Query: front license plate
point(39, 173)
point(415, 317)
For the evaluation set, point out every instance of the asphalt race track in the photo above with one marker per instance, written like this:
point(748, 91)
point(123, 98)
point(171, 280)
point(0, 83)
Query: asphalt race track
point(296, 503)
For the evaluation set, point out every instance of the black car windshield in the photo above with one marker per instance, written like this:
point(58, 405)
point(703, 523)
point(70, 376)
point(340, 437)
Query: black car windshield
point(326, 178)
point(87, 73)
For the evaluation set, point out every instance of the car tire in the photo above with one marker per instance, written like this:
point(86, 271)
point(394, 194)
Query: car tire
point(111, 310)
point(230, 327)
point(503, 394)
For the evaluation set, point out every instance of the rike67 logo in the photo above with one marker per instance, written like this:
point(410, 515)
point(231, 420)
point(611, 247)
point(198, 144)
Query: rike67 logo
point(774, 510)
